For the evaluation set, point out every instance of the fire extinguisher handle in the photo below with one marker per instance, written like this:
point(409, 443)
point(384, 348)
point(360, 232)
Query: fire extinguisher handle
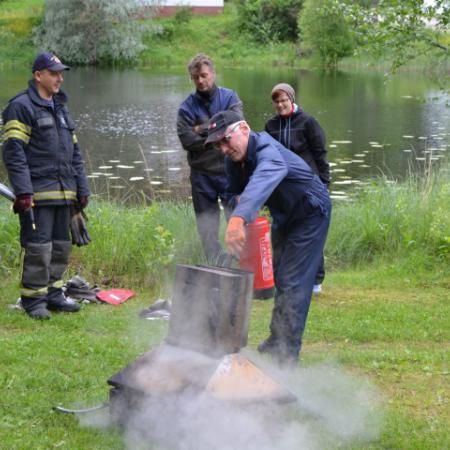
point(227, 260)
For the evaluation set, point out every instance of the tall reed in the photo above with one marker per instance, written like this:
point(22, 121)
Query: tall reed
point(386, 221)
point(394, 220)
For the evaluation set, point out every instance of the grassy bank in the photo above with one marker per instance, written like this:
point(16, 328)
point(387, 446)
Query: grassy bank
point(171, 41)
point(383, 319)
point(17, 19)
point(403, 225)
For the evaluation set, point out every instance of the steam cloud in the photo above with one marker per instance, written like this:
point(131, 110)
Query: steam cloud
point(333, 408)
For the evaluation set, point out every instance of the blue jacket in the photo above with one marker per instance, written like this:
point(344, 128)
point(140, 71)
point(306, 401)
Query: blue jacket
point(273, 175)
point(197, 109)
point(40, 149)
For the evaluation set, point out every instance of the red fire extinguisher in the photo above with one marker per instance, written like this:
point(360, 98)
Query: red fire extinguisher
point(256, 257)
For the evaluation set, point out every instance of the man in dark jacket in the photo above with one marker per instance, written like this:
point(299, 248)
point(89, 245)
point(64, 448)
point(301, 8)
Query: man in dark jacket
point(262, 171)
point(208, 180)
point(301, 133)
point(46, 171)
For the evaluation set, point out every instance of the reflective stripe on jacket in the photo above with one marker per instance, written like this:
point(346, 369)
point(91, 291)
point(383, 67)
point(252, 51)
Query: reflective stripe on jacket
point(40, 149)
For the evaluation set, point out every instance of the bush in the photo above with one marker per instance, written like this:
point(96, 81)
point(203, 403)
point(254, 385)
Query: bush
point(324, 27)
point(183, 15)
point(270, 20)
point(91, 31)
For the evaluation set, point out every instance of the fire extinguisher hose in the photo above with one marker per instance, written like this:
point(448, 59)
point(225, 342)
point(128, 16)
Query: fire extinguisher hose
point(80, 411)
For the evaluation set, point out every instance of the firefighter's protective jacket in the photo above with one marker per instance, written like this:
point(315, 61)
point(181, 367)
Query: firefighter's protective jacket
point(40, 149)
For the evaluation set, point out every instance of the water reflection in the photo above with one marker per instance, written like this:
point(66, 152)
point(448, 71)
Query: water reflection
point(126, 124)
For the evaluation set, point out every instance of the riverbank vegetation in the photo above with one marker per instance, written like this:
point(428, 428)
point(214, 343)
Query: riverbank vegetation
point(382, 317)
point(403, 225)
point(251, 33)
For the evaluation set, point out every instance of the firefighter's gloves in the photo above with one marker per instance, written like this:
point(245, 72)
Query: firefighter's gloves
point(80, 235)
point(235, 235)
point(82, 202)
point(22, 203)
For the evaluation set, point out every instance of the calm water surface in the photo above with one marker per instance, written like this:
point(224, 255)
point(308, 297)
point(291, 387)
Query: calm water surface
point(126, 124)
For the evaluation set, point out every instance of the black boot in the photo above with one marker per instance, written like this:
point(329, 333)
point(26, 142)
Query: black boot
point(270, 345)
point(36, 308)
point(57, 301)
point(35, 278)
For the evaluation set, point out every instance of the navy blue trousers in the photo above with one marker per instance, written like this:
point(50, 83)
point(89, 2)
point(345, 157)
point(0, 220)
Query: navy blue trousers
point(47, 250)
point(207, 190)
point(52, 224)
point(297, 253)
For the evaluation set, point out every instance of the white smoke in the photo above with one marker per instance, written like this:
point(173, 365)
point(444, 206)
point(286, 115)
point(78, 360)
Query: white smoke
point(333, 408)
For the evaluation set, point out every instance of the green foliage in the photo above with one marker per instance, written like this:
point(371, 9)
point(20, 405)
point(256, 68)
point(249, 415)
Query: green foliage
point(390, 220)
point(172, 27)
point(403, 30)
point(17, 19)
point(9, 243)
point(183, 15)
point(325, 28)
point(91, 31)
point(386, 221)
point(127, 243)
point(218, 36)
point(269, 20)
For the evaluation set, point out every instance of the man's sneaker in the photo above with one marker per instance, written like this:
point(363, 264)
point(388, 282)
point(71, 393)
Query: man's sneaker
point(62, 303)
point(317, 289)
point(35, 308)
point(269, 345)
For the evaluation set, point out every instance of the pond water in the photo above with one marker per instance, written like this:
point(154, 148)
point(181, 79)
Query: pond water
point(126, 123)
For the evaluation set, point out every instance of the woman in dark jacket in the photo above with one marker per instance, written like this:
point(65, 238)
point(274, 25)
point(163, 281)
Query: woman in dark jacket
point(302, 134)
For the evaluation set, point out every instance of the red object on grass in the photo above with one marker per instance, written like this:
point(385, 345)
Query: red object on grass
point(115, 296)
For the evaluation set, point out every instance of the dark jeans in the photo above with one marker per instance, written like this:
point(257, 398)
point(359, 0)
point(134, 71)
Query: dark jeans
point(297, 255)
point(207, 190)
point(320, 275)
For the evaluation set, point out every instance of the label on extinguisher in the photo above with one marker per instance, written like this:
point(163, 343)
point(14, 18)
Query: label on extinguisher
point(266, 257)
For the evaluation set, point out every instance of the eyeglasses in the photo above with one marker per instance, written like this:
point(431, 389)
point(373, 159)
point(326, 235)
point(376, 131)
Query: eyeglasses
point(227, 137)
point(281, 100)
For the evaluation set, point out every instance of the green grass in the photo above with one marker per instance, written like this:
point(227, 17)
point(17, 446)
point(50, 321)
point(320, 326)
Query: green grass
point(395, 337)
point(216, 36)
point(17, 19)
point(384, 318)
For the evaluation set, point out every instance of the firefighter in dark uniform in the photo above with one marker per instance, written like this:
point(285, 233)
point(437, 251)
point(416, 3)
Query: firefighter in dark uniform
point(46, 171)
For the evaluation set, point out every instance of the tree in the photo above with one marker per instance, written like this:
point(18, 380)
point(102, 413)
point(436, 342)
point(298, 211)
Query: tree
point(91, 31)
point(269, 20)
point(325, 28)
point(402, 30)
